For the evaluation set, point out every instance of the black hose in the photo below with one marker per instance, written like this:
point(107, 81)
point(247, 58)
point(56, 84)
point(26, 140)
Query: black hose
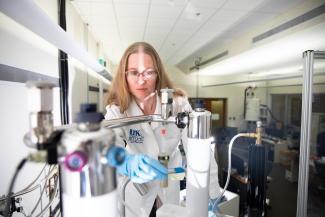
point(21, 164)
point(271, 113)
point(245, 100)
point(64, 71)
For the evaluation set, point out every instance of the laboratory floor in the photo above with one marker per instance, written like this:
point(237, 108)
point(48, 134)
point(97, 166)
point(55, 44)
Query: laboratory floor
point(282, 193)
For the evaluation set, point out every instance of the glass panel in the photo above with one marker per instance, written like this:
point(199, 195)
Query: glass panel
point(316, 185)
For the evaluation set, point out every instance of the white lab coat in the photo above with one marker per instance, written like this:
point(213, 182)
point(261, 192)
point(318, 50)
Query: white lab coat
point(146, 139)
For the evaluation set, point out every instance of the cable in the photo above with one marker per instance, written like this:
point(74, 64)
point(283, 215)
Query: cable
point(229, 170)
point(271, 113)
point(127, 206)
point(21, 164)
point(34, 180)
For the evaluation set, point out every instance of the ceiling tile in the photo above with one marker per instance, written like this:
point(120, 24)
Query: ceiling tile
point(131, 30)
point(112, 36)
point(163, 11)
point(247, 5)
point(131, 37)
point(170, 3)
point(126, 44)
point(279, 6)
point(84, 7)
point(215, 25)
point(154, 38)
point(157, 31)
point(259, 17)
point(131, 10)
point(111, 42)
point(207, 33)
point(243, 27)
point(93, 1)
point(177, 40)
point(132, 1)
point(200, 39)
point(102, 20)
point(88, 19)
point(102, 8)
point(131, 21)
point(207, 3)
point(189, 24)
point(230, 35)
point(104, 29)
point(195, 13)
point(228, 15)
point(161, 22)
point(182, 32)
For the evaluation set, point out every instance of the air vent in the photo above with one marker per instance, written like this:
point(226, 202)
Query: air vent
point(291, 23)
point(12, 74)
point(211, 59)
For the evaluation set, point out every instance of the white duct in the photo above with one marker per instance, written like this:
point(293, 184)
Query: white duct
point(28, 14)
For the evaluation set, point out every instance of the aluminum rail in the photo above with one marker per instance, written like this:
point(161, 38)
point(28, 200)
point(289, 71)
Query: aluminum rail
point(307, 97)
point(288, 85)
point(319, 55)
point(264, 79)
point(125, 182)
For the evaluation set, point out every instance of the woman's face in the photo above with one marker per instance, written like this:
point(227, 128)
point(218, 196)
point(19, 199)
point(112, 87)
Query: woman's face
point(141, 87)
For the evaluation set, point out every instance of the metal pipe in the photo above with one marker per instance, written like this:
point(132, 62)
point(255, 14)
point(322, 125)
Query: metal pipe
point(121, 122)
point(264, 79)
point(319, 55)
point(125, 182)
point(307, 91)
point(288, 85)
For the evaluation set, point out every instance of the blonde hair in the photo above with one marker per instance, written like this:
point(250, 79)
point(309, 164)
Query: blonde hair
point(119, 93)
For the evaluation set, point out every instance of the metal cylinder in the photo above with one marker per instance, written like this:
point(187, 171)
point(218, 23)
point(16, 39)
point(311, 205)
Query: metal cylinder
point(94, 178)
point(199, 126)
point(141, 188)
point(40, 106)
point(166, 103)
point(163, 158)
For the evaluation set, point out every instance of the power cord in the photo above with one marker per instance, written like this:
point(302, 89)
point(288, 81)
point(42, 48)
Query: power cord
point(7, 210)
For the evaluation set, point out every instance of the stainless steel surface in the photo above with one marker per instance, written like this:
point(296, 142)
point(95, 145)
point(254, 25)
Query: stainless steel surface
point(307, 96)
point(166, 111)
point(95, 178)
point(141, 188)
point(264, 79)
point(88, 127)
point(199, 126)
point(121, 193)
point(124, 122)
point(199, 109)
point(319, 54)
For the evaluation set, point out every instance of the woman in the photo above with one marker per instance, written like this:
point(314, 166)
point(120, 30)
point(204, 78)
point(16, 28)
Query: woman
point(135, 91)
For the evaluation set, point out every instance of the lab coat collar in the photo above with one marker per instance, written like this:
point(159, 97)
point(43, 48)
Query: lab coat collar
point(134, 110)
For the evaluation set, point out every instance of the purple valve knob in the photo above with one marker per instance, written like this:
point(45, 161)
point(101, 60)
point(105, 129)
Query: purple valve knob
point(75, 161)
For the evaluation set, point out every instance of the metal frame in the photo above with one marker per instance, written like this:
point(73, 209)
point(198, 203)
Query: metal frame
point(307, 93)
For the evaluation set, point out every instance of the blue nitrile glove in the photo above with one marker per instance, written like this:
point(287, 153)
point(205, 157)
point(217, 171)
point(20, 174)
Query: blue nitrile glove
point(142, 168)
point(216, 207)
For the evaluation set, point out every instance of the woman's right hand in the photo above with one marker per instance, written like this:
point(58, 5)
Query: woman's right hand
point(142, 168)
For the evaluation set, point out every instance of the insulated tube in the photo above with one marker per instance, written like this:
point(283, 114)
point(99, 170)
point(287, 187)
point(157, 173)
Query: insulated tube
point(229, 168)
point(198, 176)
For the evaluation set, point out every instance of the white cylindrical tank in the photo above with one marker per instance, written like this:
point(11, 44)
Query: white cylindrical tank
point(252, 109)
point(198, 176)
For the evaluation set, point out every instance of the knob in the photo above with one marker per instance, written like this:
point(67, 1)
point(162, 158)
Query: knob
point(75, 161)
point(115, 156)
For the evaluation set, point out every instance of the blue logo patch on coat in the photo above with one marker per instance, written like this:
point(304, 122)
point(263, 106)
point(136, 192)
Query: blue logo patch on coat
point(135, 136)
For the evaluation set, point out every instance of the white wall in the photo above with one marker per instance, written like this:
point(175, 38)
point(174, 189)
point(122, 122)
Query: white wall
point(233, 93)
point(23, 49)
